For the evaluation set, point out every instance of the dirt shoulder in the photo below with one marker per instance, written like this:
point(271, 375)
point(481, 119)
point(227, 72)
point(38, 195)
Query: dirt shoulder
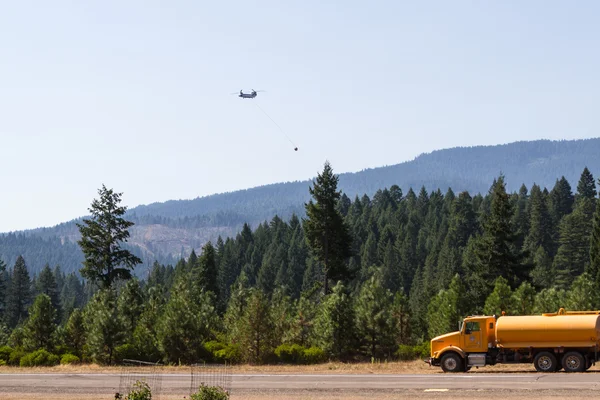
point(406, 367)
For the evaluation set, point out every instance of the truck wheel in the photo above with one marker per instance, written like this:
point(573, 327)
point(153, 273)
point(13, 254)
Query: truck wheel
point(545, 362)
point(573, 362)
point(452, 362)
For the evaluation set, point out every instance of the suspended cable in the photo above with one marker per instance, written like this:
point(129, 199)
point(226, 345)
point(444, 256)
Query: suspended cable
point(276, 124)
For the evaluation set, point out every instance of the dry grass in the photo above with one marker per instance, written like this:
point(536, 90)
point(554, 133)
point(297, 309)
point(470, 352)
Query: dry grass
point(397, 367)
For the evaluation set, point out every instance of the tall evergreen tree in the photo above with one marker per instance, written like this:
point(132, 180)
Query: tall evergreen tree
point(40, 326)
point(561, 200)
point(334, 324)
point(46, 284)
point(104, 326)
point(374, 318)
point(520, 219)
point(101, 241)
point(75, 333)
point(19, 294)
point(447, 308)
point(586, 188)
point(326, 233)
point(187, 322)
point(496, 253)
point(207, 276)
point(131, 305)
point(540, 233)
point(574, 251)
point(501, 298)
point(257, 329)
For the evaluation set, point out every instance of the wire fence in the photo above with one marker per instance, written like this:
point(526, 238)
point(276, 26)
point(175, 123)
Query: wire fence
point(216, 375)
point(142, 371)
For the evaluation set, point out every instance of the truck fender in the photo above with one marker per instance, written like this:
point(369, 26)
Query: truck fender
point(454, 349)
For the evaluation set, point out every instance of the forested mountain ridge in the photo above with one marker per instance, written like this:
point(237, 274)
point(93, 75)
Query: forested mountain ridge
point(166, 231)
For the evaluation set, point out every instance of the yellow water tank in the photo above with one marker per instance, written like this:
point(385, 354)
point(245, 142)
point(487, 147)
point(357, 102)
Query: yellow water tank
point(547, 331)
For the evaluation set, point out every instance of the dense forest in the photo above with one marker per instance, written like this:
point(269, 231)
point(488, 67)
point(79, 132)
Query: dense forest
point(170, 230)
point(397, 269)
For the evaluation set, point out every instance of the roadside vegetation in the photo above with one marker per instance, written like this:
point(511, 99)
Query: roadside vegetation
point(368, 280)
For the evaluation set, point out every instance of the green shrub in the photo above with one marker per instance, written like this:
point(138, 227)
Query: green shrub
point(231, 354)
point(5, 353)
point(69, 359)
point(423, 350)
point(210, 393)
point(290, 353)
point(15, 357)
point(39, 358)
point(408, 353)
point(214, 345)
point(141, 391)
point(314, 355)
point(124, 352)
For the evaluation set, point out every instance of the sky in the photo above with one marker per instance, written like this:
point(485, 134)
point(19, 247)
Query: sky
point(136, 95)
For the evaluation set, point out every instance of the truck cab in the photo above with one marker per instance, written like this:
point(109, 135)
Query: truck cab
point(459, 351)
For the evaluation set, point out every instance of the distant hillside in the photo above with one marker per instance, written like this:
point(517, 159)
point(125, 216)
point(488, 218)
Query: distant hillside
point(165, 231)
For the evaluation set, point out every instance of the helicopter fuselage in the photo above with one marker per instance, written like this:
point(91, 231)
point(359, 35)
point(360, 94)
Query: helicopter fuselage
point(247, 95)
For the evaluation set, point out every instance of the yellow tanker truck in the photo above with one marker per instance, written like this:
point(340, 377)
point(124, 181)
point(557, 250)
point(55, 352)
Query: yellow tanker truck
point(552, 341)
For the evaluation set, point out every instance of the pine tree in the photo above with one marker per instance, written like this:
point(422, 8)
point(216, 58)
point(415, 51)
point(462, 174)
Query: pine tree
point(326, 233)
point(104, 325)
point(447, 308)
point(207, 278)
point(574, 251)
point(131, 305)
point(40, 326)
point(256, 331)
point(549, 300)
point(523, 300)
point(496, 252)
point(543, 274)
point(302, 321)
point(500, 299)
point(46, 284)
point(145, 340)
point(72, 296)
point(374, 318)
point(369, 256)
point(297, 255)
point(334, 324)
point(101, 239)
point(561, 200)
point(187, 322)
point(582, 296)
point(586, 188)
point(19, 294)
point(540, 233)
point(236, 307)
point(520, 219)
point(75, 334)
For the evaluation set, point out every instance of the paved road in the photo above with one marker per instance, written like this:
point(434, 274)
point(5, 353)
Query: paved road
point(180, 383)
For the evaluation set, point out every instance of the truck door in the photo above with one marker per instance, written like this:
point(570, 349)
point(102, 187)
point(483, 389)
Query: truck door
point(472, 336)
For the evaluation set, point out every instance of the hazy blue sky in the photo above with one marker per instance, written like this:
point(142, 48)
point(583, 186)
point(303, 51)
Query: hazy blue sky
point(135, 94)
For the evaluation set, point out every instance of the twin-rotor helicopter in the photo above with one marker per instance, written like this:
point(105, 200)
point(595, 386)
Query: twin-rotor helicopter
point(250, 95)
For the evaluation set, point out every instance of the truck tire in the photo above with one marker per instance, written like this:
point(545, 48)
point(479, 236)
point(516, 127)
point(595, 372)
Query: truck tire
point(573, 361)
point(452, 362)
point(545, 362)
